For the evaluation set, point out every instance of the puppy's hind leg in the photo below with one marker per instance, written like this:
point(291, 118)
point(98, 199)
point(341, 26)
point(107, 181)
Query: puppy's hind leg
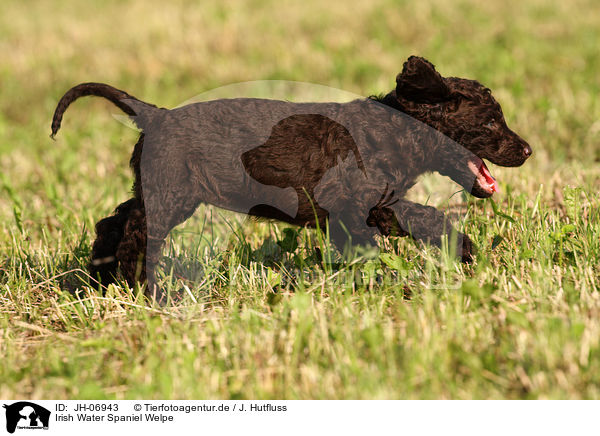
point(109, 232)
point(132, 247)
point(140, 249)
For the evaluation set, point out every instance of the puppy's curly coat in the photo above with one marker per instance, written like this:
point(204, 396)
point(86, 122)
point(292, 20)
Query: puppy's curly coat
point(303, 163)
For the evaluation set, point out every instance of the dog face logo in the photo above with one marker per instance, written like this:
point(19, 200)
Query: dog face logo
point(26, 415)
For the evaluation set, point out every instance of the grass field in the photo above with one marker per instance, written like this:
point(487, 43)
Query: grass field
point(524, 321)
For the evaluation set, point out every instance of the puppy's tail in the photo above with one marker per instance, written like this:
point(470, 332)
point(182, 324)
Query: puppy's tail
point(136, 109)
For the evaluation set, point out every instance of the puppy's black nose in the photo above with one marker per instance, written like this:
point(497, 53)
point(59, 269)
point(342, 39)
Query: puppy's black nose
point(527, 151)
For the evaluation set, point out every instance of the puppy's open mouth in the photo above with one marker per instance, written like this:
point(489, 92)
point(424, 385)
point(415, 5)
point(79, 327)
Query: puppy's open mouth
point(483, 176)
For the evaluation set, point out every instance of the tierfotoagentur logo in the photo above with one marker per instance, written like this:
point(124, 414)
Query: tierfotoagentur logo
point(25, 415)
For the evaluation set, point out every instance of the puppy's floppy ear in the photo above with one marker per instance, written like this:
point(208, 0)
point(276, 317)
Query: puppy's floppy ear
point(420, 82)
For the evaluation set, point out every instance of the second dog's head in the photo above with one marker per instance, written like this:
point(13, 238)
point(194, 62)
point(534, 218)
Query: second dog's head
point(463, 110)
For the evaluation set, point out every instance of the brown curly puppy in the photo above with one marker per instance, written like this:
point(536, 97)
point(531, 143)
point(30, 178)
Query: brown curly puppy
point(348, 165)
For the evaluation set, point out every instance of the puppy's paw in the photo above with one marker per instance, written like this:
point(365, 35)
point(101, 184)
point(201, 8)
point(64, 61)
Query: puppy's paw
point(468, 251)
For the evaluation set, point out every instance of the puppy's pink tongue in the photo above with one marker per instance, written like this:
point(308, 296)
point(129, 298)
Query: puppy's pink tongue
point(483, 169)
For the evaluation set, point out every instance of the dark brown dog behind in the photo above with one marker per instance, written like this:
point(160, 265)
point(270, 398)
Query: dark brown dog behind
point(347, 165)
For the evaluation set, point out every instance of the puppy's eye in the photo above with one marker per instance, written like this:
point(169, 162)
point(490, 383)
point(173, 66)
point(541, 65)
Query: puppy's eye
point(490, 124)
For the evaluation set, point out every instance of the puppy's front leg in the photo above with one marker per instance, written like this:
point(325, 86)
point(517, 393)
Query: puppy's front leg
point(421, 222)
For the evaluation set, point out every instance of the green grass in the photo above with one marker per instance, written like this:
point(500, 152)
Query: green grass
point(522, 323)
